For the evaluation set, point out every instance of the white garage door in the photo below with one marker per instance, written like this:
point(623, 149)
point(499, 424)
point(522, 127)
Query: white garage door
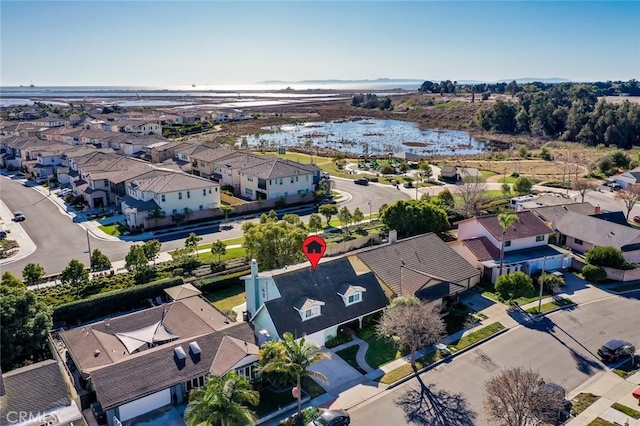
point(144, 405)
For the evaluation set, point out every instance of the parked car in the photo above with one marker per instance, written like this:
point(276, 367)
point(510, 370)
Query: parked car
point(361, 181)
point(615, 349)
point(325, 175)
point(559, 409)
point(326, 201)
point(3, 234)
point(98, 413)
point(18, 217)
point(331, 418)
point(636, 219)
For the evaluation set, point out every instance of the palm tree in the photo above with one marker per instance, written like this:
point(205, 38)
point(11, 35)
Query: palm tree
point(295, 358)
point(156, 214)
point(505, 220)
point(222, 402)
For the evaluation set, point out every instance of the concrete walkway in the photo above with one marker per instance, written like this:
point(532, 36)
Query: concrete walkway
point(363, 346)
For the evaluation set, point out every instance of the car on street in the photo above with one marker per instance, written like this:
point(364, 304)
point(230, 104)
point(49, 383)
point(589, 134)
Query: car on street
point(3, 234)
point(636, 219)
point(18, 217)
point(615, 349)
point(331, 418)
point(361, 181)
point(326, 201)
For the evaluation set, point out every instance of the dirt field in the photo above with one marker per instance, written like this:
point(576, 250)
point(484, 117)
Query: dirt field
point(620, 99)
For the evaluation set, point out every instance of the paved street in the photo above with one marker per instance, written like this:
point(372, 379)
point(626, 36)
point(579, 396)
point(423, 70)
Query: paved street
point(58, 239)
point(561, 347)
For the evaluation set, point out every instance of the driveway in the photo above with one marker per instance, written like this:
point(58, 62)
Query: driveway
point(336, 370)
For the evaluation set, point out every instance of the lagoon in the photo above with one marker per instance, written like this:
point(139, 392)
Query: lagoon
point(367, 136)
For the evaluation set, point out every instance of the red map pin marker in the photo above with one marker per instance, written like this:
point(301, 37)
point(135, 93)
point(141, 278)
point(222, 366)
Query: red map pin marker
point(314, 247)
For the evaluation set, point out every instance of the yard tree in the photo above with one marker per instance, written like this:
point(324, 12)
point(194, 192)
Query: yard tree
point(506, 189)
point(629, 197)
point(10, 280)
point(295, 357)
point(25, 326)
point(218, 248)
point(222, 401)
point(191, 243)
point(425, 170)
point(513, 285)
point(472, 194)
point(446, 196)
point(357, 216)
point(415, 324)
point(506, 220)
point(551, 282)
point(522, 186)
point(387, 169)
point(518, 397)
point(99, 261)
point(328, 211)
point(151, 249)
point(606, 256)
point(294, 219)
point(583, 186)
point(75, 274)
point(136, 261)
point(345, 217)
point(178, 218)
point(413, 217)
point(32, 273)
point(315, 223)
point(156, 214)
point(226, 209)
point(274, 244)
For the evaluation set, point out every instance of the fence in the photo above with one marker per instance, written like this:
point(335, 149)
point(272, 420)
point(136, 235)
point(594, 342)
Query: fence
point(339, 248)
point(612, 273)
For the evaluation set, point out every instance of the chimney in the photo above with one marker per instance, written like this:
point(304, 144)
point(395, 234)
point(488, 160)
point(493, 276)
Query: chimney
point(597, 210)
point(254, 269)
point(554, 222)
point(253, 294)
point(393, 236)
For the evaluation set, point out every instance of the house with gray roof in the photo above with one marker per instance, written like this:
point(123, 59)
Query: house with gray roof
point(150, 359)
point(273, 178)
point(39, 394)
point(312, 303)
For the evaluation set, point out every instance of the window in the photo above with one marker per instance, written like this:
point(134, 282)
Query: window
point(578, 242)
point(296, 178)
point(106, 182)
point(179, 195)
point(201, 208)
point(307, 178)
point(248, 191)
point(312, 312)
point(291, 179)
point(162, 198)
point(248, 371)
point(188, 194)
point(280, 181)
point(354, 298)
point(204, 192)
point(250, 178)
point(540, 238)
point(507, 243)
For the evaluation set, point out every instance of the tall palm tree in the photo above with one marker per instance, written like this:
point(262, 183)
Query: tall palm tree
point(222, 402)
point(156, 214)
point(505, 220)
point(295, 358)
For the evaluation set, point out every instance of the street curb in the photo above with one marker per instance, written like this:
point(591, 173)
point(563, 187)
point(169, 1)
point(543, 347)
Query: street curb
point(447, 358)
point(559, 308)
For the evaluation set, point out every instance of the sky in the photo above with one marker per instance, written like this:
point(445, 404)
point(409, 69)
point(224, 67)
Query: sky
point(163, 43)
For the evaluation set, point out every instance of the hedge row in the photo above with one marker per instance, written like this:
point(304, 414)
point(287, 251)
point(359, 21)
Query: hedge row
point(108, 304)
point(221, 282)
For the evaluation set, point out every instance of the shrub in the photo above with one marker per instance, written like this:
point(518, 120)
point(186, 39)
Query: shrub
point(594, 273)
point(515, 175)
point(522, 186)
point(606, 256)
point(178, 272)
point(551, 281)
point(514, 285)
point(338, 339)
point(374, 179)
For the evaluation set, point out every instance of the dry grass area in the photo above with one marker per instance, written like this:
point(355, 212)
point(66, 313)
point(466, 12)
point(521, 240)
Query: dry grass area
point(621, 99)
point(539, 170)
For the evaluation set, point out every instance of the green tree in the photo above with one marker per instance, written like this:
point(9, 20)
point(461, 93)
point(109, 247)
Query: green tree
point(32, 273)
point(295, 358)
point(513, 285)
point(328, 210)
point(446, 196)
point(426, 170)
point(75, 274)
point(594, 273)
point(545, 154)
point(315, 223)
point(156, 214)
point(274, 244)
point(387, 169)
point(294, 219)
point(413, 217)
point(345, 217)
point(522, 186)
point(191, 243)
point(506, 189)
point(226, 210)
point(136, 261)
point(151, 250)
point(403, 167)
point(550, 281)
point(178, 218)
point(357, 216)
point(10, 280)
point(222, 402)
point(218, 248)
point(25, 326)
point(99, 261)
point(505, 220)
point(606, 256)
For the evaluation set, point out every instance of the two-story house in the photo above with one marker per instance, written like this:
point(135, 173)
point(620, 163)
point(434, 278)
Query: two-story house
point(172, 192)
point(526, 245)
point(204, 157)
point(276, 178)
point(139, 127)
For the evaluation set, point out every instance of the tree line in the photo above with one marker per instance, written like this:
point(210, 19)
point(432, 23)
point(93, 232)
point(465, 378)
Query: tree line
point(371, 101)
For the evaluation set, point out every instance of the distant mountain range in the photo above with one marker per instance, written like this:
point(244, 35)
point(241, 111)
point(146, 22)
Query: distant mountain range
point(415, 80)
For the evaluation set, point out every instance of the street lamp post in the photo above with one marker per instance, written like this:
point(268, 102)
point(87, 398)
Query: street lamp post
point(89, 244)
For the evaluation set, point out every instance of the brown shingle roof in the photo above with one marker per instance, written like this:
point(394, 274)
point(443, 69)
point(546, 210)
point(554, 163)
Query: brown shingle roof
point(482, 248)
point(528, 225)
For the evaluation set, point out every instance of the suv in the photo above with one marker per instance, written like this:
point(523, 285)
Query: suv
point(18, 217)
point(331, 418)
point(613, 350)
point(554, 408)
point(361, 181)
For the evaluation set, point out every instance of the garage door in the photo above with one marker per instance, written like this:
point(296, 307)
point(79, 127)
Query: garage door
point(144, 405)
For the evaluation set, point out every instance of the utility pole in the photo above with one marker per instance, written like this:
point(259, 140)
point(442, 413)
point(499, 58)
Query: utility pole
point(544, 260)
point(370, 219)
point(89, 244)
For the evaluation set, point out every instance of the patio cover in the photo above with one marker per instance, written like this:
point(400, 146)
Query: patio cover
point(154, 333)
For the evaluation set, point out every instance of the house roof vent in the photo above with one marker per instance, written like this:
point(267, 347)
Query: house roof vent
point(179, 352)
point(194, 348)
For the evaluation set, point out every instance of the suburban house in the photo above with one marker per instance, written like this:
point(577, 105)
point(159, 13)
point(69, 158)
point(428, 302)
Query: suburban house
point(528, 202)
point(276, 178)
point(149, 359)
point(580, 233)
point(526, 245)
point(551, 214)
point(203, 158)
point(312, 303)
point(459, 173)
point(49, 122)
point(627, 179)
point(169, 191)
point(39, 394)
point(137, 126)
point(165, 150)
point(423, 266)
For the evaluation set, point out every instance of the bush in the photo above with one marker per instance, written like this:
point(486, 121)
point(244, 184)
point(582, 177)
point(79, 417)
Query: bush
point(338, 339)
point(594, 273)
point(178, 272)
point(107, 304)
point(514, 285)
point(515, 175)
point(606, 257)
point(551, 281)
point(558, 184)
point(211, 285)
point(308, 415)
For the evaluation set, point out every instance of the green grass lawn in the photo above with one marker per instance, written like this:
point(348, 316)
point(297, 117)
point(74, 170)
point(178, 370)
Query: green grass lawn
point(626, 410)
point(271, 401)
point(381, 350)
point(520, 300)
point(582, 401)
point(229, 242)
point(546, 307)
point(626, 370)
point(476, 336)
point(487, 173)
point(115, 229)
point(405, 370)
point(349, 355)
point(601, 422)
point(456, 321)
point(227, 299)
point(234, 253)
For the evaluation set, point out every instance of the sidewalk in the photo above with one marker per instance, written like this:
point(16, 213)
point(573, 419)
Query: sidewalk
point(26, 246)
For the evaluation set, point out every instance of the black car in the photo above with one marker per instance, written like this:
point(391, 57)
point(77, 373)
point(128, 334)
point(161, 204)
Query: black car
point(98, 413)
point(18, 217)
point(361, 181)
point(554, 407)
point(331, 418)
point(326, 201)
point(613, 350)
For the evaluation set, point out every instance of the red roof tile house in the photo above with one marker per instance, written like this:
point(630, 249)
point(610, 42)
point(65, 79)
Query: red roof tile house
point(526, 245)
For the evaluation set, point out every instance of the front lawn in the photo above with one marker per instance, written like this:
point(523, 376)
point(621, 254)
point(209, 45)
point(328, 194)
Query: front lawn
point(234, 253)
point(115, 229)
point(476, 336)
point(601, 422)
point(271, 400)
point(349, 355)
point(381, 350)
point(627, 370)
point(520, 300)
point(582, 401)
point(227, 299)
point(627, 410)
point(406, 369)
point(546, 307)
